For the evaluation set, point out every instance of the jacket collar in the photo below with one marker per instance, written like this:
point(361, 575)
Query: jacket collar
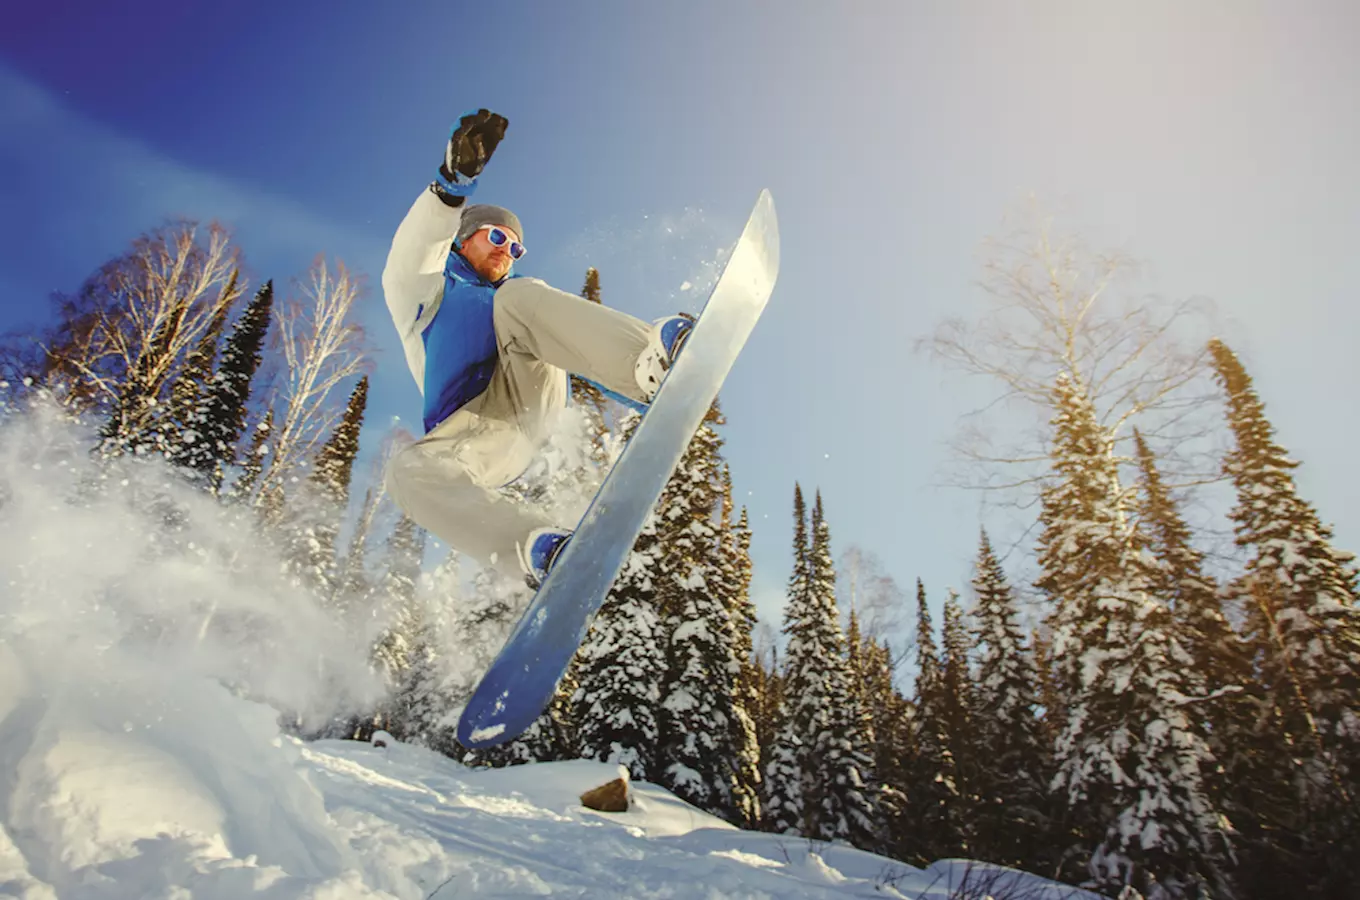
point(458, 267)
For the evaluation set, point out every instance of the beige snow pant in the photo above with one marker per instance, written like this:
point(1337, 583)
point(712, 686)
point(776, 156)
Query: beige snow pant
point(448, 481)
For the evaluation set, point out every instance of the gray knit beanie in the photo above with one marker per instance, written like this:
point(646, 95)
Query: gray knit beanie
point(477, 215)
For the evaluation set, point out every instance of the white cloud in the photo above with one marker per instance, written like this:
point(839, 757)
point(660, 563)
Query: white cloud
point(78, 190)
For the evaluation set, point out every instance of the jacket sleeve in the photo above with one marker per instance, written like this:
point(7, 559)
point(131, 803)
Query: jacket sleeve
point(413, 279)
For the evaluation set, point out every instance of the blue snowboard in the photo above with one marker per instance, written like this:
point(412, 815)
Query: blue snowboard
point(520, 683)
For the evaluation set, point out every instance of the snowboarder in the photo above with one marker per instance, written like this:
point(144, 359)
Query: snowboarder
point(491, 352)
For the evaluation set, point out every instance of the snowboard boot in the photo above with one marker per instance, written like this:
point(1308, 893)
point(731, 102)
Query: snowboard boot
point(663, 347)
point(538, 553)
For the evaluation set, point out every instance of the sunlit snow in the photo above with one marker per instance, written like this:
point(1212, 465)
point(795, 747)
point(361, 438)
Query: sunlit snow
point(143, 680)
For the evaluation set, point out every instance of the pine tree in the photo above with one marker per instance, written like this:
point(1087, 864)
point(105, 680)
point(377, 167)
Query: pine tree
point(396, 600)
point(1130, 762)
point(352, 584)
point(843, 748)
point(782, 801)
point(956, 695)
point(428, 693)
point(1222, 671)
point(1299, 596)
point(890, 723)
point(932, 826)
point(253, 463)
point(767, 717)
point(562, 710)
point(1052, 722)
point(178, 432)
point(785, 799)
point(698, 694)
point(316, 513)
point(1011, 820)
point(215, 416)
point(733, 587)
point(857, 665)
point(334, 464)
point(619, 669)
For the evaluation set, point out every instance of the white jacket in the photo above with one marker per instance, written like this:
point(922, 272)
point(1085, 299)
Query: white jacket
point(413, 279)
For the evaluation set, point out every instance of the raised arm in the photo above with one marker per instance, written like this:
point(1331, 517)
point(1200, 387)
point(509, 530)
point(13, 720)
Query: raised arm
point(413, 278)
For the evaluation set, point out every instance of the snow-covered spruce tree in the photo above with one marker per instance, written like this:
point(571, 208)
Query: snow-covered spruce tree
point(956, 695)
point(352, 584)
point(394, 601)
point(808, 655)
point(931, 826)
point(424, 698)
point(216, 415)
point(620, 664)
point(767, 688)
point(1053, 720)
point(393, 653)
point(784, 798)
point(733, 584)
point(1010, 822)
point(841, 760)
point(252, 463)
point(177, 430)
point(869, 692)
point(1130, 760)
point(1222, 672)
point(857, 665)
point(821, 737)
point(781, 793)
point(1179, 576)
point(697, 752)
point(562, 712)
point(890, 719)
point(312, 519)
point(1299, 599)
point(619, 669)
point(334, 464)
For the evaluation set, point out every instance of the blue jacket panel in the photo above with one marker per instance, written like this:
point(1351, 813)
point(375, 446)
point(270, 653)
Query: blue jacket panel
point(460, 342)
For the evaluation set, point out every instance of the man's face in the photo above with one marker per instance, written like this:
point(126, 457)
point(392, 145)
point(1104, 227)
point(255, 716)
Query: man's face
point(489, 261)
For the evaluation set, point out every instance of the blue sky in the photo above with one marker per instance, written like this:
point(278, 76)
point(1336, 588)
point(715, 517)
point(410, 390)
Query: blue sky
point(1216, 143)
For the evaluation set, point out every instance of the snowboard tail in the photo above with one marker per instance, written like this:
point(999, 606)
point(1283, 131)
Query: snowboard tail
point(520, 683)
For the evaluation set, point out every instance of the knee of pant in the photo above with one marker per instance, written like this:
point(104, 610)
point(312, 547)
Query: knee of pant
point(402, 475)
point(513, 298)
point(393, 479)
point(505, 298)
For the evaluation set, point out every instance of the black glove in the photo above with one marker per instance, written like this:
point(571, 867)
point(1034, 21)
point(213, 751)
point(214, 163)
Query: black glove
point(471, 145)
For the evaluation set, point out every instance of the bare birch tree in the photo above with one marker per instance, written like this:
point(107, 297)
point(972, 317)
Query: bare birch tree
point(118, 341)
point(864, 585)
point(1053, 306)
point(320, 347)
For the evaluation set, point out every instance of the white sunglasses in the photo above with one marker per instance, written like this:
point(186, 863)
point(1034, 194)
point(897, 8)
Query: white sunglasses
point(498, 237)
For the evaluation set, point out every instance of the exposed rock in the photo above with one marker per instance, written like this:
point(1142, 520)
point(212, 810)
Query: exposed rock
point(611, 797)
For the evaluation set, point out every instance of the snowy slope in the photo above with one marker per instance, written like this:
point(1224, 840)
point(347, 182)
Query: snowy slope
point(141, 756)
point(181, 790)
